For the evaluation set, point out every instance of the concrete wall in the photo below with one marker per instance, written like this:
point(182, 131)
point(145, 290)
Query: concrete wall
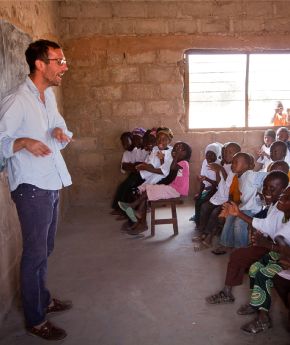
point(19, 23)
point(127, 70)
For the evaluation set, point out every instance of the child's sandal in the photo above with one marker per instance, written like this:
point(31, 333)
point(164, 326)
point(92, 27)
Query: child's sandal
point(220, 298)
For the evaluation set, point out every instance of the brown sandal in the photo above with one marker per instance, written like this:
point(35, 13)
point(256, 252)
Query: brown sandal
point(58, 306)
point(48, 332)
point(256, 326)
point(220, 298)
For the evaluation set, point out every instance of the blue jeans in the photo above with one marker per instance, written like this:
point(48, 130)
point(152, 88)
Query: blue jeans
point(235, 232)
point(37, 211)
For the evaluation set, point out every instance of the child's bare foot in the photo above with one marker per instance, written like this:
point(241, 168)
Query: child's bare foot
point(116, 212)
point(201, 246)
point(198, 238)
point(220, 250)
point(121, 217)
point(126, 225)
point(137, 228)
point(130, 212)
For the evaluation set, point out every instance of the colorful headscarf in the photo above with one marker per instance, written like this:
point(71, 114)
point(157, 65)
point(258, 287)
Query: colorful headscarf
point(166, 131)
point(139, 131)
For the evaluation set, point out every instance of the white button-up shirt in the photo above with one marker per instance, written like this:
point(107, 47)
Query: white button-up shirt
point(24, 115)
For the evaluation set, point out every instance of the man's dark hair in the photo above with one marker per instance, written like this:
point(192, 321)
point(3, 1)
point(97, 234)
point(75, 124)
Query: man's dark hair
point(38, 50)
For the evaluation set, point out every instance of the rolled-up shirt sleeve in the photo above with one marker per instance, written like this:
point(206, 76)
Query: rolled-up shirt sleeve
point(11, 118)
point(59, 122)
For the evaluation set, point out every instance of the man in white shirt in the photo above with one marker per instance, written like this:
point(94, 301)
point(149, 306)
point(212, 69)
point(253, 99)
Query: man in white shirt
point(32, 133)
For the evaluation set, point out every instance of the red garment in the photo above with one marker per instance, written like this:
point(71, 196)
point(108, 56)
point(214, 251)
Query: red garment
point(240, 261)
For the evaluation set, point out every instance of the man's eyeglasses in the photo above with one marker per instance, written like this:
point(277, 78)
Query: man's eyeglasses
point(60, 62)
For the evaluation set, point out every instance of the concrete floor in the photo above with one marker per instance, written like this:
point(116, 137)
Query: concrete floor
point(140, 291)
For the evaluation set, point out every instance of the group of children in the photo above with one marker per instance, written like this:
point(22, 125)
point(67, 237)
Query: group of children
point(156, 170)
point(245, 203)
point(249, 210)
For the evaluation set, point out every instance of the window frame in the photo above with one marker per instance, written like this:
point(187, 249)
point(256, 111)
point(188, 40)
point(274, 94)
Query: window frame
point(226, 51)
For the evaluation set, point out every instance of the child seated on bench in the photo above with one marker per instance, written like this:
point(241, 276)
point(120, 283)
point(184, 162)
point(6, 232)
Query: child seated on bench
point(175, 185)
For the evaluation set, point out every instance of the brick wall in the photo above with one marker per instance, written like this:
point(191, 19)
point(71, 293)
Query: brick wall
point(127, 70)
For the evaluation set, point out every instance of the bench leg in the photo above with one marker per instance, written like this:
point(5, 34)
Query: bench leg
point(174, 218)
point(152, 219)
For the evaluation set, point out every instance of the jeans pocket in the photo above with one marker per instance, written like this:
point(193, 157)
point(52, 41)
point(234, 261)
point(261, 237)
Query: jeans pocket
point(28, 191)
point(39, 193)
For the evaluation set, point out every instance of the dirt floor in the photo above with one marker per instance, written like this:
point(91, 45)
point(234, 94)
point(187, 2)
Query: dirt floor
point(141, 291)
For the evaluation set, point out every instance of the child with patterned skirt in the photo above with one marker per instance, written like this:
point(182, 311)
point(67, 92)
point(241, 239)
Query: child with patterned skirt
point(262, 272)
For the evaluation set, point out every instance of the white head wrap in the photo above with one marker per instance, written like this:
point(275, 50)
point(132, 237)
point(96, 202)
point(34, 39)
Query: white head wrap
point(214, 147)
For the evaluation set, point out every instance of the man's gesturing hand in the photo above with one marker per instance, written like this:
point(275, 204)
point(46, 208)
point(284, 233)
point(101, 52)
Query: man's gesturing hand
point(36, 147)
point(59, 135)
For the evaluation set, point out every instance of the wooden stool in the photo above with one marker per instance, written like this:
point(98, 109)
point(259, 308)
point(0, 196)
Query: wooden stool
point(172, 220)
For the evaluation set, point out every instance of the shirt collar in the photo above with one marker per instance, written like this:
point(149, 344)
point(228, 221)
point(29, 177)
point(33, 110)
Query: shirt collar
point(33, 87)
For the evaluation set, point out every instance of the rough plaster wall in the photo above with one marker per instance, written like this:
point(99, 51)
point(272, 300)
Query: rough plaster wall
point(39, 19)
point(127, 70)
point(13, 67)
point(30, 19)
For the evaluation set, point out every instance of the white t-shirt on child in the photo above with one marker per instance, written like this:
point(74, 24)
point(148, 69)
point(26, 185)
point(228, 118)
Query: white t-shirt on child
point(223, 189)
point(271, 224)
point(139, 155)
point(205, 171)
point(285, 232)
point(152, 178)
point(249, 184)
point(266, 161)
point(127, 158)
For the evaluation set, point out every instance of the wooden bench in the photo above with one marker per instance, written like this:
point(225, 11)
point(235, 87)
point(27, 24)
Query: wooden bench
point(173, 220)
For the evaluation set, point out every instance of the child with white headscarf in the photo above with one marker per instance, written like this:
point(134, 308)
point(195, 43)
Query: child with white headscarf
point(207, 178)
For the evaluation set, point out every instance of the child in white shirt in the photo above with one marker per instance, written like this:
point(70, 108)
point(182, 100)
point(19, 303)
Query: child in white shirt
point(235, 230)
point(207, 178)
point(264, 154)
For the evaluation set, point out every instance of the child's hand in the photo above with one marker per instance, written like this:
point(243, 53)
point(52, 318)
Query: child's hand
point(141, 166)
point(196, 196)
point(214, 167)
point(258, 239)
point(200, 178)
point(160, 155)
point(225, 210)
point(232, 208)
point(260, 153)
